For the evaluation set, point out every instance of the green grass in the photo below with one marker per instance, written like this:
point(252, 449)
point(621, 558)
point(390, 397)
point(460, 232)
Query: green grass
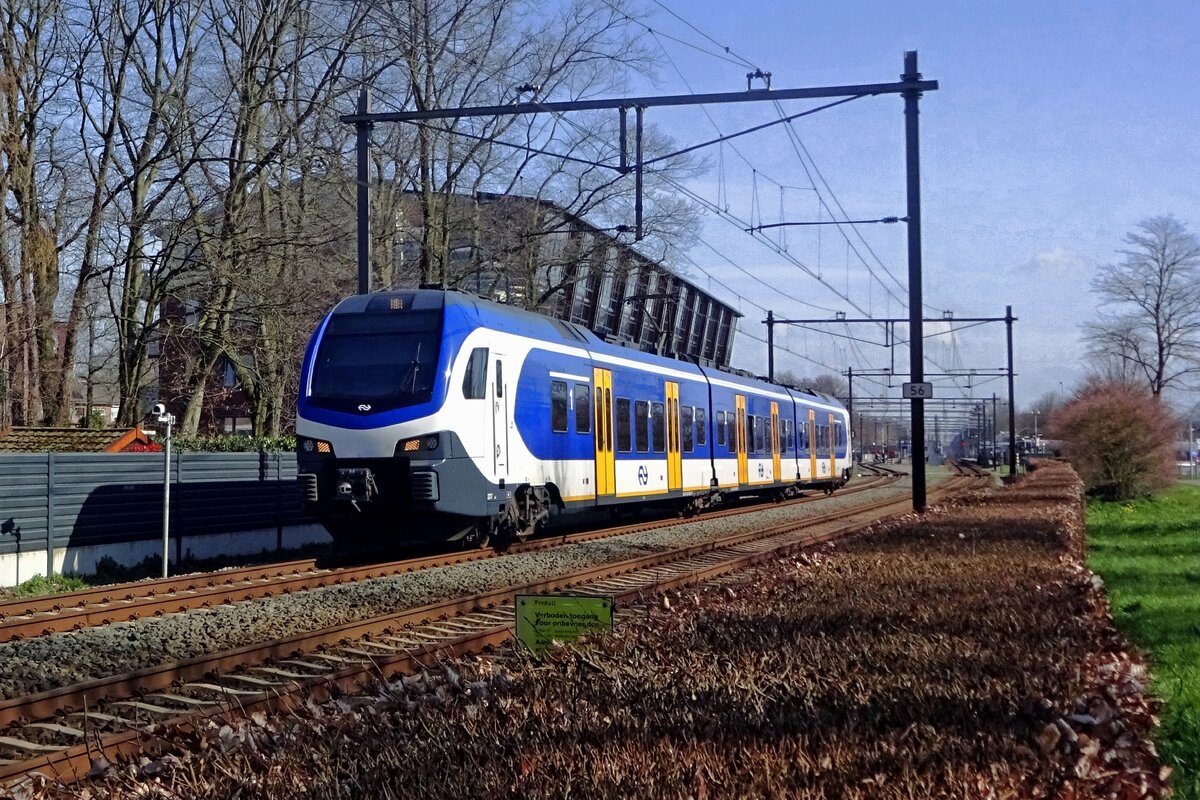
point(40, 585)
point(1148, 553)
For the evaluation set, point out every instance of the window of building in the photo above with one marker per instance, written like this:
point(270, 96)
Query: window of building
point(558, 406)
point(623, 425)
point(474, 385)
point(242, 425)
point(641, 425)
point(701, 427)
point(686, 421)
point(658, 424)
point(583, 408)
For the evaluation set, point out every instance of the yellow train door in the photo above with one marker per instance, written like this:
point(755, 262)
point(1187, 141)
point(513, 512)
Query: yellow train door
point(674, 457)
point(775, 441)
point(606, 467)
point(743, 468)
point(812, 444)
point(832, 446)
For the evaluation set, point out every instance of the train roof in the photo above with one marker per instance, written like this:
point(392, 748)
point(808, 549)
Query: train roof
point(529, 323)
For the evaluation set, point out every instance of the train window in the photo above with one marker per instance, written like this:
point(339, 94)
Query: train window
point(686, 421)
point(720, 428)
point(641, 425)
point(659, 427)
point(731, 431)
point(558, 406)
point(623, 425)
point(760, 435)
point(474, 385)
point(783, 436)
point(499, 378)
point(583, 408)
point(701, 428)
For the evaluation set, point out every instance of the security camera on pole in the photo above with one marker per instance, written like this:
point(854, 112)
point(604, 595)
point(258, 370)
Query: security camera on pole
point(161, 416)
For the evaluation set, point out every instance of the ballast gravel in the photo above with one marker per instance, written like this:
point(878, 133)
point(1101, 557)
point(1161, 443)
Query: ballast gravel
point(49, 662)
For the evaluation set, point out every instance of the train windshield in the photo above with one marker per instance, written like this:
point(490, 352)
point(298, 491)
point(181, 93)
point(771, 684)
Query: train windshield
point(373, 362)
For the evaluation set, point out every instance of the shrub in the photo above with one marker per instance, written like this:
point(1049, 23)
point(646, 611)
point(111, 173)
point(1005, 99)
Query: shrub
point(235, 443)
point(1120, 439)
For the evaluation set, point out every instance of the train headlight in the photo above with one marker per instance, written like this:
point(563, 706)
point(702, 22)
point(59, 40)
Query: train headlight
point(411, 446)
point(316, 445)
point(309, 445)
point(431, 442)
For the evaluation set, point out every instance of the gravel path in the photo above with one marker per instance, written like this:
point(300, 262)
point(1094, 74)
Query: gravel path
point(48, 662)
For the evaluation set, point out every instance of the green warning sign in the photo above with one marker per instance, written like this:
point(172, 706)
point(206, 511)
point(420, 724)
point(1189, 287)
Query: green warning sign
point(542, 619)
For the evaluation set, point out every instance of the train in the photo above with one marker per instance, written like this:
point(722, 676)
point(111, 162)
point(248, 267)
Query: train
point(438, 415)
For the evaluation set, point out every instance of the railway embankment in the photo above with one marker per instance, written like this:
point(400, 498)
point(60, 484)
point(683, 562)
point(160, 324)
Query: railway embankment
point(966, 653)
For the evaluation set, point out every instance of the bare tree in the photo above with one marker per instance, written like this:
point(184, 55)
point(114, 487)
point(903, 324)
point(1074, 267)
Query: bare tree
point(32, 188)
point(1149, 324)
point(457, 53)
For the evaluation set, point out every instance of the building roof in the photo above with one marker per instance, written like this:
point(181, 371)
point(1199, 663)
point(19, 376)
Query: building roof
point(69, 440)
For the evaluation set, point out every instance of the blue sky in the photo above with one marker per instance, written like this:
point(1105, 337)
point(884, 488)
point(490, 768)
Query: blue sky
point(1058, 127)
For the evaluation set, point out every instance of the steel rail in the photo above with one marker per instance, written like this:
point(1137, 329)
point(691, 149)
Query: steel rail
point(492, 626)
point(127, 602)
point(445, 616)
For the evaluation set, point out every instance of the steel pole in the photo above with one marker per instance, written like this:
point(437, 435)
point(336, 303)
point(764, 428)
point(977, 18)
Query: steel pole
point(1012, 408)
point(770, 345)
point(167, 499)
point(362, 130)
point(916, 335)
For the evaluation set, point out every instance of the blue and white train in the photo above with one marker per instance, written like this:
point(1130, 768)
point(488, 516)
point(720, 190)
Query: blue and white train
point(439, 415)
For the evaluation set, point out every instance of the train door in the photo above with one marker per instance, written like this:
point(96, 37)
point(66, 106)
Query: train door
point(606, 468)
point(832, 446)
point(499, 419)
point(775, 441)
point(674, 458)
point(812, 444)
point(743, 468)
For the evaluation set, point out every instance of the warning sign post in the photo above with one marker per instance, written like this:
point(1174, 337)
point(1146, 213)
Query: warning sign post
point(542, 619)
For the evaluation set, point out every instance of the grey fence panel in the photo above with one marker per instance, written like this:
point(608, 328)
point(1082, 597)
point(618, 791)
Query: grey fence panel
point(106, 498)
point(226, 492)
point(24, 498)
point(81, 499)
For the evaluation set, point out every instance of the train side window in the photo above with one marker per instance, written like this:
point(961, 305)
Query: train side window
point(474, 385)
point(701, 427)
point(686, 420)
point(783, 435)
point(720, 428)
point(659, 427)
point(731, 430)
point(751, 432)
point(499, 378)
point(623, 444)
point(583, 408)
point(558, 406)
point(760, 435)
point(641, 425)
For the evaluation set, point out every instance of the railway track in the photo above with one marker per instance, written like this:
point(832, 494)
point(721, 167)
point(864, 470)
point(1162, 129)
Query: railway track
point(26, 617)
point(63, 731)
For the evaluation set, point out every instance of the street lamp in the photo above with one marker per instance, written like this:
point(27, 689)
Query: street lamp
point(163, 418)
